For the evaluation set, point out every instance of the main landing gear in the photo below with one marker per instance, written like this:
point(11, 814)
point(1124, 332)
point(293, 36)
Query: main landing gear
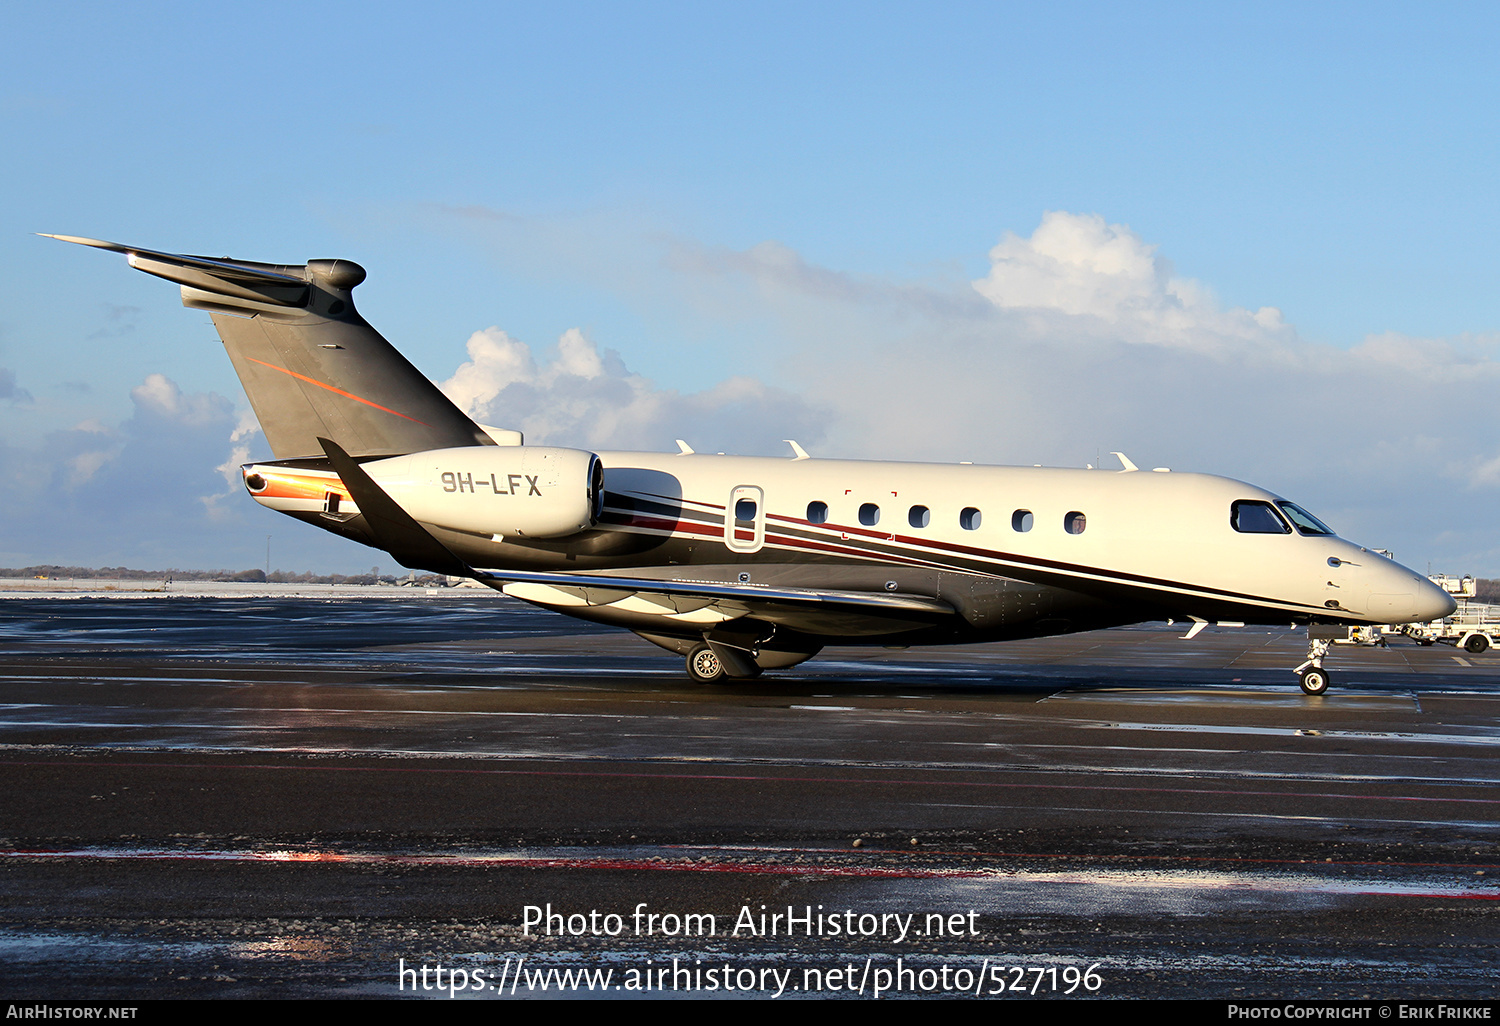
point(705, 667)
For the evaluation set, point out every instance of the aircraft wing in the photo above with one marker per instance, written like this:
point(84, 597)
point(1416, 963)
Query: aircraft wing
point(696, 605)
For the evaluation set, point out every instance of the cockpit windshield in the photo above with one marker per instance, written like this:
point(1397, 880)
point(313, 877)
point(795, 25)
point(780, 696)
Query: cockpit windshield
point(1251, 516)
point(1306, 523)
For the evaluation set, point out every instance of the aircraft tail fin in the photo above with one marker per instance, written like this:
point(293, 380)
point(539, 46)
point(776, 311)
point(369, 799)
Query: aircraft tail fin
point(312, 367)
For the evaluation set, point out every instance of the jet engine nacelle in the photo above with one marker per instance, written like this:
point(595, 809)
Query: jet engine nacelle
point(527, 491)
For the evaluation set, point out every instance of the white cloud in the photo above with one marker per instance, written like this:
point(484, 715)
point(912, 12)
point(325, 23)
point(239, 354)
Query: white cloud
point(229, 470)
point(135, 492)
point(86, 464)
point(159, 396)
point(246, 426)
point(1439, 361)
point(580, 396)
point(1084, 269)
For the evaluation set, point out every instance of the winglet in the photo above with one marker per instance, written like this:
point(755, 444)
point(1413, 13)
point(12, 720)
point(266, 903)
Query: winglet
point(1125, 462)
point(800, 453)
point(683, 449)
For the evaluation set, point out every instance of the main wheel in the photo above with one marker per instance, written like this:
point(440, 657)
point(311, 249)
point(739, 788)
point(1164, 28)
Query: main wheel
point(704, 667)
point(1315, 680)
point(1476, 644)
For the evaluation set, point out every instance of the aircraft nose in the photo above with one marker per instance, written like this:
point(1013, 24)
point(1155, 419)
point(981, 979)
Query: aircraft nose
point(1431, 603)
point(1401, 595)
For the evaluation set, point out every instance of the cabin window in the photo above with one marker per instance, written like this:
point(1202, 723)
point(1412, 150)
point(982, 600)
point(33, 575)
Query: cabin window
point(869, 514)
point(744, 510)
point(970, 518)
point(1250, 517)
point(920, 516)
point(817, 512)
point(1305, 521)
point(1022, 520)
point(1075, 522)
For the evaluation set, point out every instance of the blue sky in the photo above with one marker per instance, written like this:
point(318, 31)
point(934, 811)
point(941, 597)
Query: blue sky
point(763, 211)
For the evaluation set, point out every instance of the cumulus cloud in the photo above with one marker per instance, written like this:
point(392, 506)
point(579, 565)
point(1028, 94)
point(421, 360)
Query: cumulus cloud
point(579, 396)
point(1083, 269)
point(159, 398)
point(140, 491)
point(229, 470)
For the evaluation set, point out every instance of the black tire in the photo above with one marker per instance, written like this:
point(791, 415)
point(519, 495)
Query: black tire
point(1315, 681)
point(1476, 644)
point(704, 666)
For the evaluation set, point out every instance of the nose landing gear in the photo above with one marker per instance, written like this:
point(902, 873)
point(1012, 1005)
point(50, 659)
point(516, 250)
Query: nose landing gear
point(1314, 680)
point(1311, 674)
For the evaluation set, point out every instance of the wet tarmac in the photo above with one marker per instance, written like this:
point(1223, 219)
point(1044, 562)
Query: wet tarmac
point(264, 797)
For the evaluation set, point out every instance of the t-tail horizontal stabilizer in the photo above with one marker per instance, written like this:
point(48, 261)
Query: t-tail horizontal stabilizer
point(312, 367)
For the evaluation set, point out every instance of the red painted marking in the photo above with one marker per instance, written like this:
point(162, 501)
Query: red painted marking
point(336, 391)
point(684, 527)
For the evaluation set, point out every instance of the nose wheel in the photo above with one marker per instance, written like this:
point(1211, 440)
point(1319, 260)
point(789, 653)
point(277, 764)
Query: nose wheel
point(1314, 680)
point(1311, 675)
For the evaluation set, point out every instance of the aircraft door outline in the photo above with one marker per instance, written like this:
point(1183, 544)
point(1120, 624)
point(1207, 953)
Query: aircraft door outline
point(745, 519)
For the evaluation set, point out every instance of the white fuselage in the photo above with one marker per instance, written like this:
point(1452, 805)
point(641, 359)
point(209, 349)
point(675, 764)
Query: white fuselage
point(1165, 534)
point(1160, 542)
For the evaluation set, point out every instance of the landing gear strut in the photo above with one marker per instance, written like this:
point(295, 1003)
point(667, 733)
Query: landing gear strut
point(1313, 677)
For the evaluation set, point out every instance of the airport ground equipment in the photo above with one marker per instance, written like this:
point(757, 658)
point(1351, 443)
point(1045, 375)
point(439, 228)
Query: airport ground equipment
point(1473, 626)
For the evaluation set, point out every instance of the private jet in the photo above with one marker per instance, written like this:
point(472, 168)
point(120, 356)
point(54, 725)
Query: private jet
point(747, 564)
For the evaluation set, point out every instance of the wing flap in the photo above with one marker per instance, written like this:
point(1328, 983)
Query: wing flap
point(695, 605)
